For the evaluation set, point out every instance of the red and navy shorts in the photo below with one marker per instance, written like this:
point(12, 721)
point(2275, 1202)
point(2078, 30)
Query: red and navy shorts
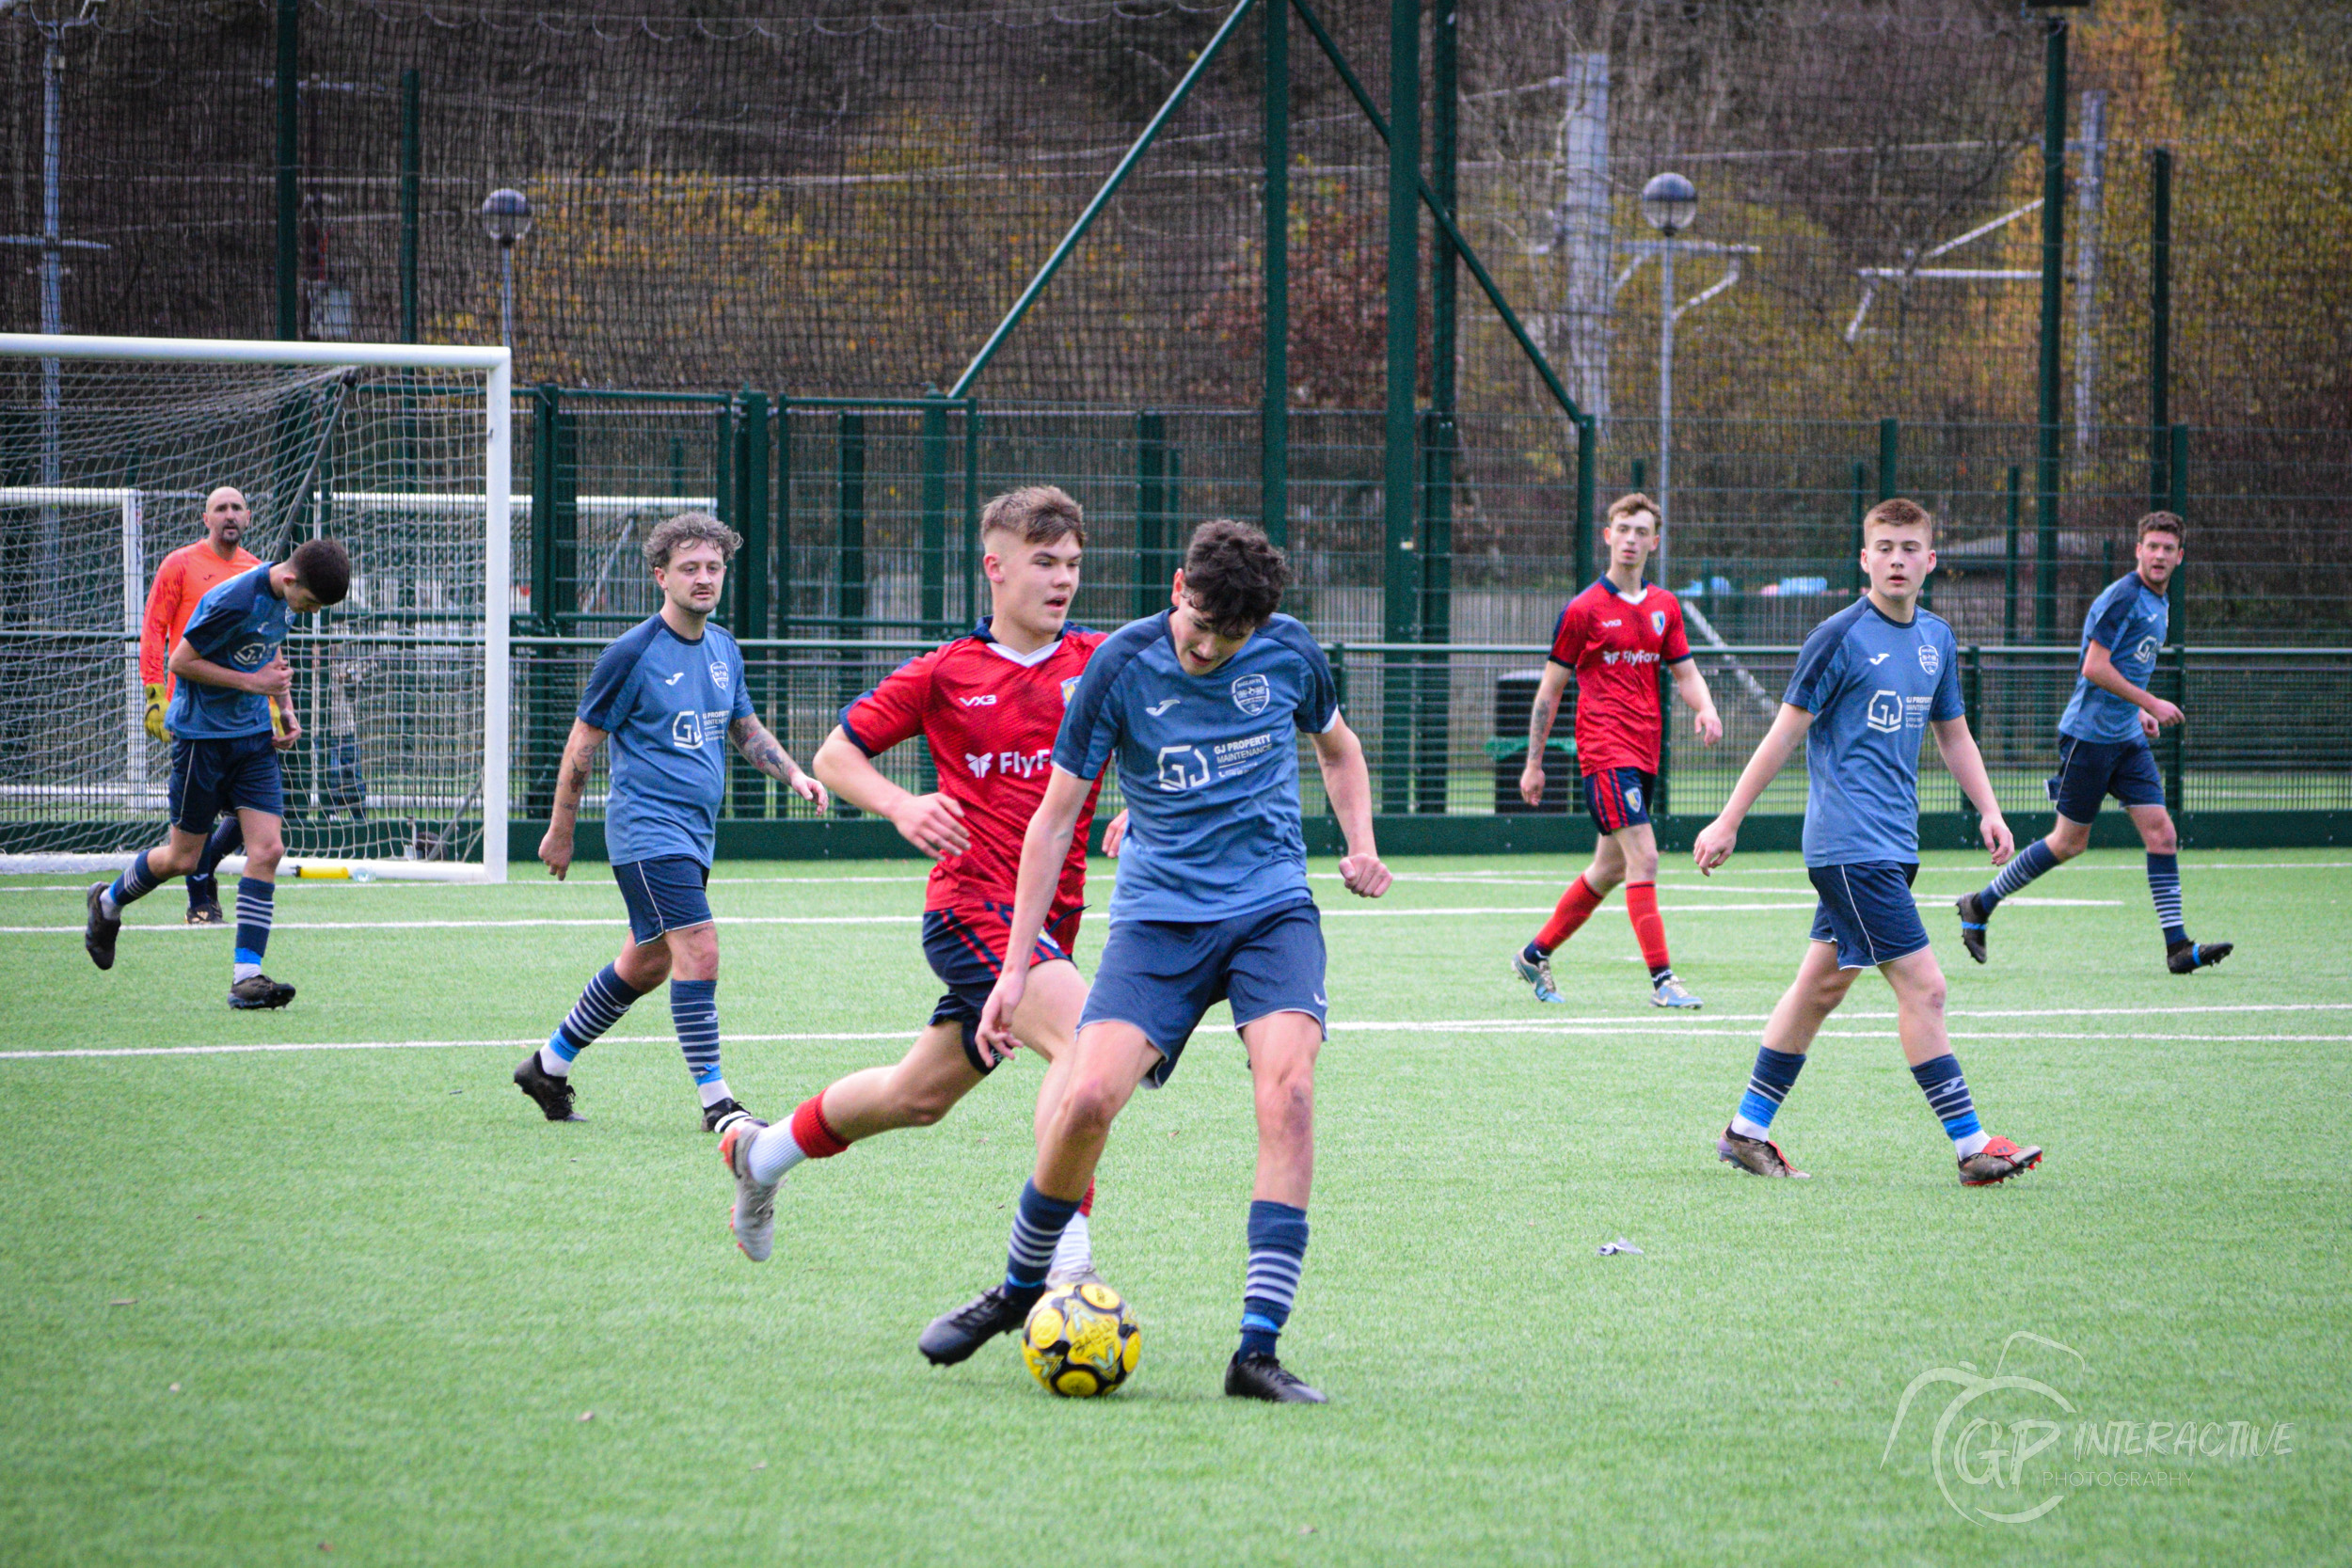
point(966, 947)
point(1619, 796)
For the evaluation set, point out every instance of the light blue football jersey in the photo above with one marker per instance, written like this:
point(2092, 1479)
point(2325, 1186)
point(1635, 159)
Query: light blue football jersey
point(240, 624)
point(667, 703)
point(2129, 620)
point(1872, 686)
point(1208, 766)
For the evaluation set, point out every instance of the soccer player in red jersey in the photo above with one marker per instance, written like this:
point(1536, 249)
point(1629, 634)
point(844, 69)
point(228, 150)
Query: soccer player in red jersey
point(989, 704)
point(1613, 636)
point(186, 575)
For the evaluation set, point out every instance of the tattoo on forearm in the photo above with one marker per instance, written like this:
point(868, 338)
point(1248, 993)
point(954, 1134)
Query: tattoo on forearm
point(762, 750)
point(571, 782)
point(1539, 721)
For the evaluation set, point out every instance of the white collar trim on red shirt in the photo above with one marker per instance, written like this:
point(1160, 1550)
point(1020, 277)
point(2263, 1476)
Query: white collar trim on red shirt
point(1629, 598)
point(1029, 660)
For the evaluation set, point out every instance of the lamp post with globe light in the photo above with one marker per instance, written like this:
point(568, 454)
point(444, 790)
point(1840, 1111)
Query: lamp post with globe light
point(506, 217)
point(1670, 204)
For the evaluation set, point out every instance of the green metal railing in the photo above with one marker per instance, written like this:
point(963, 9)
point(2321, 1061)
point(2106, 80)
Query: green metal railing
point(2256, 738)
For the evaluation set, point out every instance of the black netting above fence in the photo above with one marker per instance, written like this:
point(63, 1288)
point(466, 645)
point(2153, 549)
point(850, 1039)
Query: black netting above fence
point(846, 197)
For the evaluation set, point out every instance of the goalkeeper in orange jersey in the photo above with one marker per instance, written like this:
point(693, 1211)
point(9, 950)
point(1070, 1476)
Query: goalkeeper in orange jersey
point(185, 577)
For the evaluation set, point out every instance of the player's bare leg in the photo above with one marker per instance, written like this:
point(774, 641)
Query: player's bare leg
point(1788, 1034)
point(1282, 1049)
point(175, 856)
point(917, 1090)
point(257, 893)
point(1108, 1063)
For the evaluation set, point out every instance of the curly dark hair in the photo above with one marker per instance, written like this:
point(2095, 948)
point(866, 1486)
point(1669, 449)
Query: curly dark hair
point(323, 567)
point(1234, 575)
point(690, 528)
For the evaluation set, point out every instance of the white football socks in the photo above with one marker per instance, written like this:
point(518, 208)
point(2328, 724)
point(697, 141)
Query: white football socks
point(1074, 1255)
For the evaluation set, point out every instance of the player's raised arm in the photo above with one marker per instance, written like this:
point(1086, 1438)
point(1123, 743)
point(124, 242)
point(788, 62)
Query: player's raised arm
point(1044, 849)
point(1348, 783)
point(1966, 764)
point(763, 751)
point(932, 823)
point(1716, 840)
point(1540, 713)
point(571, 783)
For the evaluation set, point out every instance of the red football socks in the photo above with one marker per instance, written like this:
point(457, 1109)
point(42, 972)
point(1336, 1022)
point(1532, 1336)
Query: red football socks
point(1576, 907)
point(1641, 906)
point(816, 1136)
point(1085, 1204)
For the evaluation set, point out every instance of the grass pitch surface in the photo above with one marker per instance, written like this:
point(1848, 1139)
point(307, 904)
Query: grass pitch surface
point(263, 1302)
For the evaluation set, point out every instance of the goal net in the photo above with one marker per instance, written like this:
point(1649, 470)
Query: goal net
point(107, 449)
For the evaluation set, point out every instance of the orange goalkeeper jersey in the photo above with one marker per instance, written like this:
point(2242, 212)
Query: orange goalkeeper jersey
point(186, 574)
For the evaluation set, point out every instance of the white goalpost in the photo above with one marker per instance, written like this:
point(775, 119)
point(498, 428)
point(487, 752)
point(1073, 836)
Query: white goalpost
point(107, 448)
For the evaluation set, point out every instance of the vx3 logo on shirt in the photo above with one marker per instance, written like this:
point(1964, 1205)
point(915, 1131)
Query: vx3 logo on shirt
point(985, 699)
point(1162, 707)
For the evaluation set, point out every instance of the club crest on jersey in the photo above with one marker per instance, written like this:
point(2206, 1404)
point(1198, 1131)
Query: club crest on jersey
point(719, 674)
point(1067, 687)
point(1657, 623)
point(1930, 659)
point(1251, 694)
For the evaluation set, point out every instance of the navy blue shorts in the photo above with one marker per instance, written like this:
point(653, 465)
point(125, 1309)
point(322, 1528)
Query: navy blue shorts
point(966, 948)
point(1619, 796)
point(668, 893)
point(1161, 975)
point(2090, 771)
point(1867, 911)
point(209, 777)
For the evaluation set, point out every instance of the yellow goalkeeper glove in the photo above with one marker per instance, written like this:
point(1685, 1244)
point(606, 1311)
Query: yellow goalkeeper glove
point(155, 711)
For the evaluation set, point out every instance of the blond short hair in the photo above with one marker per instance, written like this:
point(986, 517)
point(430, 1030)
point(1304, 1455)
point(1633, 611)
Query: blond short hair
point(1036, 515)
point(1629, 503)
point(1900, 512)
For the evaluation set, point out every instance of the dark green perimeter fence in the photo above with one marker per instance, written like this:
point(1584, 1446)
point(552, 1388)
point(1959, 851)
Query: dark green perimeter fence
point(861, 523)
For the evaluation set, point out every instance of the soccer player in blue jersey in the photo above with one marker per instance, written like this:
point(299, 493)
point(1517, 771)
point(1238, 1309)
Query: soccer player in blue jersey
point(229, 718)
point(1869, 680)
point(1203, 705)
point(2102, 750)
point(668, 692)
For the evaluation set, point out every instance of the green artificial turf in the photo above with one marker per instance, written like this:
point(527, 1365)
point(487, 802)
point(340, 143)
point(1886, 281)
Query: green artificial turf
point(255, 1306)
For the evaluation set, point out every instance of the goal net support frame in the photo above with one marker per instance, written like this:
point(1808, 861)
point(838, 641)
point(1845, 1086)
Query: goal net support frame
point(493, 499)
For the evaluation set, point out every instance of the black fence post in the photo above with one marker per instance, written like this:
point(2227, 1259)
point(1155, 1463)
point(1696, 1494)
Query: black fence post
point(751, 792)
point(1432, 761)
point(2009, 558)
point(1858, 506)
point(934, 564)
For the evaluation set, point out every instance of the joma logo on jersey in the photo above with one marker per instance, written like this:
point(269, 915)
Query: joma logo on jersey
point(985, 699)
point(1251, 694)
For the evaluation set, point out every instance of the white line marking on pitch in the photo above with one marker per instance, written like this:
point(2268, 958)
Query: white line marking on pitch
point(1599, 1029)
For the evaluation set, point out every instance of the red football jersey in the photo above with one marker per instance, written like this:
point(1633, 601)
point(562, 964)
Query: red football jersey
point(990, 715)
point(1614, 642)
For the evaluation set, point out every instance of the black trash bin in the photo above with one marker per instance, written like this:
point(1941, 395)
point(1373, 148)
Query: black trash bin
point(1515, 699)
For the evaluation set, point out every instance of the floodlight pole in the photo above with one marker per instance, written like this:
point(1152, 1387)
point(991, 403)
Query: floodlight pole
point(2046, 565)
point(506, 294)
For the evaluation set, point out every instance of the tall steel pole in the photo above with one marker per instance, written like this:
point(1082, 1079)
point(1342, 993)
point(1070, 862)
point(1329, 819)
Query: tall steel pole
point(1274, 406)
point(1401, 490)
point(1665, 395)
point(2046, 564)
point(289, 163)
point(52, 253)
point(506, 294)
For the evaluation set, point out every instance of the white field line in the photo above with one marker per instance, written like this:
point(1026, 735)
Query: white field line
point(1603, 1028)
point(1400, 912)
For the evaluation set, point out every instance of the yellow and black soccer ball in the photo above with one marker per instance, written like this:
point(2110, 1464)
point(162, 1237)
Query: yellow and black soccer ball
point(1081, 1339)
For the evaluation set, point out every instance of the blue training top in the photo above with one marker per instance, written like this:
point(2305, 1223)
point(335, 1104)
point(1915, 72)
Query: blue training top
point(668, 703)
point(2128, 619)
point(1871, 685)
point(241, 624)
point(1208, 766)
